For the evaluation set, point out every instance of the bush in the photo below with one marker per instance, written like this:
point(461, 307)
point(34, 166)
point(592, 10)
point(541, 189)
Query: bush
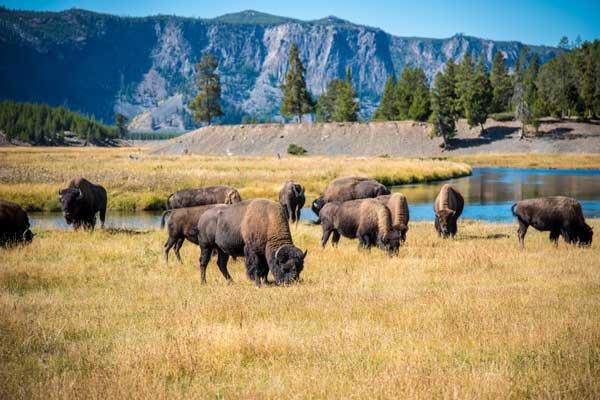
point(503, 116)
point(296, 150)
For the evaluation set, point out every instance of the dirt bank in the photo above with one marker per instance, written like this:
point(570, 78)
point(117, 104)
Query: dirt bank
point(405, 138)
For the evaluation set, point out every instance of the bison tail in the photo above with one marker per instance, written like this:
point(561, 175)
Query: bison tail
point(512, 209)
point(168, 204)
point(164, 216)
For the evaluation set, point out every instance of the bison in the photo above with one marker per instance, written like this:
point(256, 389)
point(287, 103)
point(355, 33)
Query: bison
point(203, 196)
point(398, 206)
point(257, 230)
point(560, 215)
point(365, 219)
point(182, 225)
point(349, 188)
point(14, 224)
point(291, 198)
point(81, 201)
point(448, 206)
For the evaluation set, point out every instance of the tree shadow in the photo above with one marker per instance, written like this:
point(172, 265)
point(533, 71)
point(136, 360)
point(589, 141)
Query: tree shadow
point(486, 237)
point(490, 135)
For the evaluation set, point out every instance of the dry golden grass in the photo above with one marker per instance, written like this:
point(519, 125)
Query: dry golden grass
point(32, 176)
point(531, 160)
point(100, 316)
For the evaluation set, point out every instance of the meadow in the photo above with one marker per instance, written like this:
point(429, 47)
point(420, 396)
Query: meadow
point(99, 315)
point(134, 180)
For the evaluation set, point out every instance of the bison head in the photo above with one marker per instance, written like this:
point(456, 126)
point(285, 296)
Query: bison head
point(70, 202)
point(585, 235)
point(289, 262)
point(28, 236)
point(390, 242)
point(447, 221)
point(233, 197)
point(317, 205)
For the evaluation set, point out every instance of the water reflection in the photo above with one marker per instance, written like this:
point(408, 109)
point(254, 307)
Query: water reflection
point(489, 194)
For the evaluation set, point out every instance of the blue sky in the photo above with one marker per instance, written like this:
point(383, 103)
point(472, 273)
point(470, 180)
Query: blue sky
point(529, 21)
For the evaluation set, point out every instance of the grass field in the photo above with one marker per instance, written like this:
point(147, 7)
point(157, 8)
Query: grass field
point(32, 176)
point(530, 160)
point(98, 315)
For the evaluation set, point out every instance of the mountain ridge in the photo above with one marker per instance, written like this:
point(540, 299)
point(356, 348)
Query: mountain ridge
point(142, 67)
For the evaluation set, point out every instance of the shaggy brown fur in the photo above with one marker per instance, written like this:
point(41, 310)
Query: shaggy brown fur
point(398, 206)
point(81, 201)
point(203, 196)
point(365, 219)
point(448, 206)
point(291, 198)
point(14, 224)
point(349, 188)
point(182, 225)
point(259, 231)
point(560, 215)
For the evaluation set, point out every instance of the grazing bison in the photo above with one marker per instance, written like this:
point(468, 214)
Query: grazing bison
point(14, 224)
point(398, 206)
point(183, 224)
point(365, 219)
point(257, 230)
point(448, 206)
point(291, 198)
point(203, 196)
point(349, 188)
point(560, 215)
point(80, 202)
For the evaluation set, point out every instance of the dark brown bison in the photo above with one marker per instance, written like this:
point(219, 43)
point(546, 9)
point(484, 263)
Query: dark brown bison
point(398, 206)
point(81, 201)
point(349, 188)
point(14, 224)
point(182, 225)
point(365, 219)
point(257, 230)
point(203, 196)
point(560, 215)
point(291, 198)
point(448, 206)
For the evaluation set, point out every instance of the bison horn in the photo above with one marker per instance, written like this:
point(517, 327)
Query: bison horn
point(79, 194)
point(277, 253)
point(305, 253)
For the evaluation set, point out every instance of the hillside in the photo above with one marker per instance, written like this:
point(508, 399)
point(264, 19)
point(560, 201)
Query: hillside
point(101, 64)
point(404, 138)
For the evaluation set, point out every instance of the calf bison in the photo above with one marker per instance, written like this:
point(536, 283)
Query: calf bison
point(398, 206)
point(203, 196)
point(80, 202)
point(560, 215)
point(182, 225)
point(291, 198)
point(448, 206)
point(365, 219)
point(14, 224)
point(349, 188)
point(257, 230)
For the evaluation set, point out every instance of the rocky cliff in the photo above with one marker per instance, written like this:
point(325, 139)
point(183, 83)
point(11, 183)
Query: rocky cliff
point(143, 67)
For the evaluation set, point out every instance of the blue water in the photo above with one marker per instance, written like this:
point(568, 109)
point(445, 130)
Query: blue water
point(489, 193)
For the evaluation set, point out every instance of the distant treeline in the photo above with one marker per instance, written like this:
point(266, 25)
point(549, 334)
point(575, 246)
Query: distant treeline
point(42, 124)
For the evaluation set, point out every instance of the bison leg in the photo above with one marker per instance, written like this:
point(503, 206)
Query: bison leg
point(554, 235)
point(436, 224)
point(335, 239)
point(177, 248)
point(252, 265)
point(364, 241)
point(567, 235)
point(222, 260)
point(102, 217)
point(325, 237)
point(205, 254)
point(522, 231)
point(167, 247)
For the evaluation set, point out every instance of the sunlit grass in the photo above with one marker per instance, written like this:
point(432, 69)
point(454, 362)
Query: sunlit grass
point(135, 181)
point(531, 160)
point(98, 315)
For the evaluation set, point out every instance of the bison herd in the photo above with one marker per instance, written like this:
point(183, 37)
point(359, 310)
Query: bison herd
point(222, 224)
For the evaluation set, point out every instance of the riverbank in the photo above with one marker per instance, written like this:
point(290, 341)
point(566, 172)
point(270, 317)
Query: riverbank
point(137, 181)
point(99, 315)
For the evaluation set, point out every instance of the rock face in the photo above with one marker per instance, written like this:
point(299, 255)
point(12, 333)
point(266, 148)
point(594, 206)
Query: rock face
point(143, 67)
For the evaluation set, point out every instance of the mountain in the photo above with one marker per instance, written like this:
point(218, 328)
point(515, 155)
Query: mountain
point(143, 67)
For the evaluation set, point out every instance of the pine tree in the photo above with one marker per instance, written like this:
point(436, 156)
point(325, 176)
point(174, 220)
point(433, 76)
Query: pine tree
point(589, 80)
point(326, 103)
point(387, 110)
point(121, 122)
point(412, 95)
point(522, 107)
point(346, 106)
point(478, 96)
point(207, 104)
point(464, 76)
point(501, 85)
point(296, 99)
point(443, 103)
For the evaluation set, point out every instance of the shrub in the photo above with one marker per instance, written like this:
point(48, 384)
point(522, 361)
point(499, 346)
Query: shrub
point(296, 150)
point(503, 116)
